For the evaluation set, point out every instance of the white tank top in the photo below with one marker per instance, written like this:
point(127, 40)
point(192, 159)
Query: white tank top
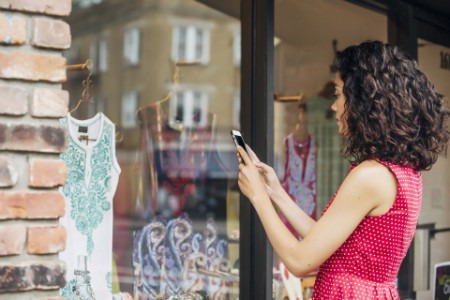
point(92, 177)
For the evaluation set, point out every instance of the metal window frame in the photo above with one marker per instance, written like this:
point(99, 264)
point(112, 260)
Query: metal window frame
point(257, 93)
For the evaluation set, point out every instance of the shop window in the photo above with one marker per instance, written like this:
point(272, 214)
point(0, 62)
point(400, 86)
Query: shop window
point(189, 108)
point(103, 55)
point(130, 102)
point(191, 42)
point(131, 46)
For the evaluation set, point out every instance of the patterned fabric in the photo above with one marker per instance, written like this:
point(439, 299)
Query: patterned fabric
point(366, 265)
point(168, 256)
point(182, 186)
point(92, 176)
point(180, 169)
point(300, 175)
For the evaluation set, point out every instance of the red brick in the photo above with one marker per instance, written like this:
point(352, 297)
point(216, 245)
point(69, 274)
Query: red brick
point(49, 103)
point(48, 7)
point(46, 275)
point(12, 239)
point(31, 205)
point(13, 29)
point(32, 66)
point(33, 138)
point(13, 101)
point(49, 33)
point(8, 173)
point(47, 173)
point(46, 240)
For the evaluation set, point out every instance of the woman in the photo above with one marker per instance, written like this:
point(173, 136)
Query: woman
point(393, 124)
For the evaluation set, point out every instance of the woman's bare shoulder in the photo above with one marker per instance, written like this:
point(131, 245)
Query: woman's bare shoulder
point(377, 181)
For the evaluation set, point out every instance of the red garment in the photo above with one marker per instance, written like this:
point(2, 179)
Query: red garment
point(365, 267)
point(299, 179)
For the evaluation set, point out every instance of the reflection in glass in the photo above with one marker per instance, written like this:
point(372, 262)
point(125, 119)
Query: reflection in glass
point(307, 142)
point(176, 203)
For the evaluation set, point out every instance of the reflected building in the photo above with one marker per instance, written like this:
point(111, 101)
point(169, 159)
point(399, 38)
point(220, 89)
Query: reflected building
point(134, 46)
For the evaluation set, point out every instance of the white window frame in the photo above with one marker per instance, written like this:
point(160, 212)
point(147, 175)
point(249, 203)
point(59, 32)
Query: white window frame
point(191, 42)
point(131, 46)
point(103, 55)
point(130, 104)
point(188, 104)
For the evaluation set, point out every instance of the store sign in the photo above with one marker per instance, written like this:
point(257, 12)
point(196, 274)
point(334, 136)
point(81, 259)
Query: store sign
point(441, 289)
point(445, 60)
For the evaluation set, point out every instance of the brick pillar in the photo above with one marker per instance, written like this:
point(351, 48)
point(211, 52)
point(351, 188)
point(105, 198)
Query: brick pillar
point(32, 69)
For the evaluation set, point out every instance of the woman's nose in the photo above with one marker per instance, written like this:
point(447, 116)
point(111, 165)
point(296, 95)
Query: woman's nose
point(333, 106)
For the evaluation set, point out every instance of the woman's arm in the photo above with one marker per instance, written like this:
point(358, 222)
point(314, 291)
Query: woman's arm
point(299, 220)
point(359, 195)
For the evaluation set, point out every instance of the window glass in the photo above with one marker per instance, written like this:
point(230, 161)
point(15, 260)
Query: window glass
point(103, 55)
point(307, 144)
point(130, 102)
point(434, 61)
point(169, 225)
point(191, 42)
point(93, 54)
point(131, 46)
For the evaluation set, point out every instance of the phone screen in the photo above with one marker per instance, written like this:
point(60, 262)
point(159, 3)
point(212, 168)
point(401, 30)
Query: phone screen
point(238, 139)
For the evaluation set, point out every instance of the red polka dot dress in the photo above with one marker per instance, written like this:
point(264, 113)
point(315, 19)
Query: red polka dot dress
point(366, 265)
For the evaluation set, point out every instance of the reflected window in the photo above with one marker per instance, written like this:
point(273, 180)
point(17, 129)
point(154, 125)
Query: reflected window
point(93, 54)
point(130, 102)
point(237, 109)
point(237, 48)
point(189, 108)
point(131, 46)
point(191, 42)
point(103, 55)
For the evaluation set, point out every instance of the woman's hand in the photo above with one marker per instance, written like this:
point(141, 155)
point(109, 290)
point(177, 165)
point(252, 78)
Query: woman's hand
point(251, 182)
point(273, 185)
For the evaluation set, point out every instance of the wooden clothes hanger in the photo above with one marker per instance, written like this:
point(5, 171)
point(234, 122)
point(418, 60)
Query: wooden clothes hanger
point(86, 94)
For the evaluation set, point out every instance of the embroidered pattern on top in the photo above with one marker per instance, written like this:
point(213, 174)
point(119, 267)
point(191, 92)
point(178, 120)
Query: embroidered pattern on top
point(89, 200)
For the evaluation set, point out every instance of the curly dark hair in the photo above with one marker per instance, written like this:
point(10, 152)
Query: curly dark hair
point(393, 113)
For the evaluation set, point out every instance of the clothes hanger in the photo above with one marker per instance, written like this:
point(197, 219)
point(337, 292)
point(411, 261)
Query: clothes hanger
point(295, 98)
point(86, 95)
point(176, 83)
point(87, 83)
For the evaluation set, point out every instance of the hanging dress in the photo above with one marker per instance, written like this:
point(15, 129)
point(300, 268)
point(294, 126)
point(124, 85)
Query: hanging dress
point(300, 175)
point(92, 177)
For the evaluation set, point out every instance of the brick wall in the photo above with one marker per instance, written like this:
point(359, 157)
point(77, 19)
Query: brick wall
point(33, 35)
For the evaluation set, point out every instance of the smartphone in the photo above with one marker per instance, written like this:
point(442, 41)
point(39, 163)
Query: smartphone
point(238, 139)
